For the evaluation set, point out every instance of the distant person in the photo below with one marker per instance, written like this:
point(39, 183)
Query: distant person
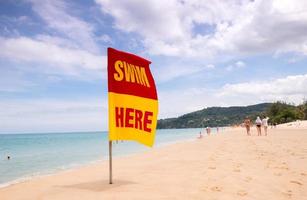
point(258, 123)
point(217, 129)
point(8, 157)
point(265, 125)
point(298, 123)
point(200, 135)
point(247, 124)
point(208, 130)
point(275, 125)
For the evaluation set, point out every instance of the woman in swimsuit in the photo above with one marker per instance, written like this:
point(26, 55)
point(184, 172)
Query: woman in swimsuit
point(247, 124)
point(258, 125)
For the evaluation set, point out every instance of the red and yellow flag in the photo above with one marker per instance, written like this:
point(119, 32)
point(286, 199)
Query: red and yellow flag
point(133, 102)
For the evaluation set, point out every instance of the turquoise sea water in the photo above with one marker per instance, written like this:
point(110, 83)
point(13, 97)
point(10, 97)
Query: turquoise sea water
point(41, 154)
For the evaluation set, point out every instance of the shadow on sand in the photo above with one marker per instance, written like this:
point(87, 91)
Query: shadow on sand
point(99, 185)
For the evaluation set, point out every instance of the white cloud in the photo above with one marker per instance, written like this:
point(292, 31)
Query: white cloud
point(290, 89)
point(132, 15)
point(44, 54)
point(169, 72)
point(210, 66)
point(13, 81)
point(66, 46)
point(240, 64)
point(178, 102)
point(105, 38)
point(20, 20)
point(229, 68)
point(237, 65)
point(56, 14)
point(39, 115)
point(240, 27)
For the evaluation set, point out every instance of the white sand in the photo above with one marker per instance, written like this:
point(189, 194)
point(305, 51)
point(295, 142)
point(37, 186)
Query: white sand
point(299, 124)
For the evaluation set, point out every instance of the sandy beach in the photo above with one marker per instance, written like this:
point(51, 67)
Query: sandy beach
point(229, 165)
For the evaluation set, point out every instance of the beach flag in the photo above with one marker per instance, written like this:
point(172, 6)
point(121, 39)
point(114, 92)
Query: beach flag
point(133, 102)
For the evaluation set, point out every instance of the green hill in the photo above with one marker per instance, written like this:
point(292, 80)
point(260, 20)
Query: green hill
point(214, 116)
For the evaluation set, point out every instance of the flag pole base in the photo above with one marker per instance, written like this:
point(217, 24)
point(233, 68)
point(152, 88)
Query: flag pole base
point(110, 162)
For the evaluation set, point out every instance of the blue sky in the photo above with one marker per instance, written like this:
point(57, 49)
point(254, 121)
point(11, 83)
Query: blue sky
point(203, 53)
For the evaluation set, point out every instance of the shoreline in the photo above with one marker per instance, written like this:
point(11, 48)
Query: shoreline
point(211, 167)
point(77, 166)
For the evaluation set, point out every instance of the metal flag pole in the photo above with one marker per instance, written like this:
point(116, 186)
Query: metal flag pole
point(110, 162)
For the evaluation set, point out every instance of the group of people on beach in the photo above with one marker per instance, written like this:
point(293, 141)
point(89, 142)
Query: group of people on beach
point(208, 131)
point(259, 123)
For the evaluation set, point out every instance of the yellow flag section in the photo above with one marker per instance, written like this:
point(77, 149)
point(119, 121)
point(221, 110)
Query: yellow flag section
point(132, 118)
point(133, 102)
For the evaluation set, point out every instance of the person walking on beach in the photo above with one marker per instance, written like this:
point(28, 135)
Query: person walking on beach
point(208, 130)
point(265, 124)
point(258, 125)
point(247, 123)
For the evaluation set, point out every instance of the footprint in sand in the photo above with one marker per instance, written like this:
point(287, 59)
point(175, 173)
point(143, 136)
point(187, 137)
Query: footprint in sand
point(242, 193)
point(288, 193)
point(211, 167)
point(205, 188)
point(237, 170)
point(211, 159)
point(296, 182)
point(282, 167)
point(303, 174)
point(216, 189)
point(268, 165)
point(277, 174)
point(248, 179)
point(237, 167)
point(239, 164)
point(285, 168)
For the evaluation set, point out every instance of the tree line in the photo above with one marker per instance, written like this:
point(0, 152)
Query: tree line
point(282, 112)
point(278, 112)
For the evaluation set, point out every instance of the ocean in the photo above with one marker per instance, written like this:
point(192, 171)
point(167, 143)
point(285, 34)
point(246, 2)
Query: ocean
point(33, 155)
